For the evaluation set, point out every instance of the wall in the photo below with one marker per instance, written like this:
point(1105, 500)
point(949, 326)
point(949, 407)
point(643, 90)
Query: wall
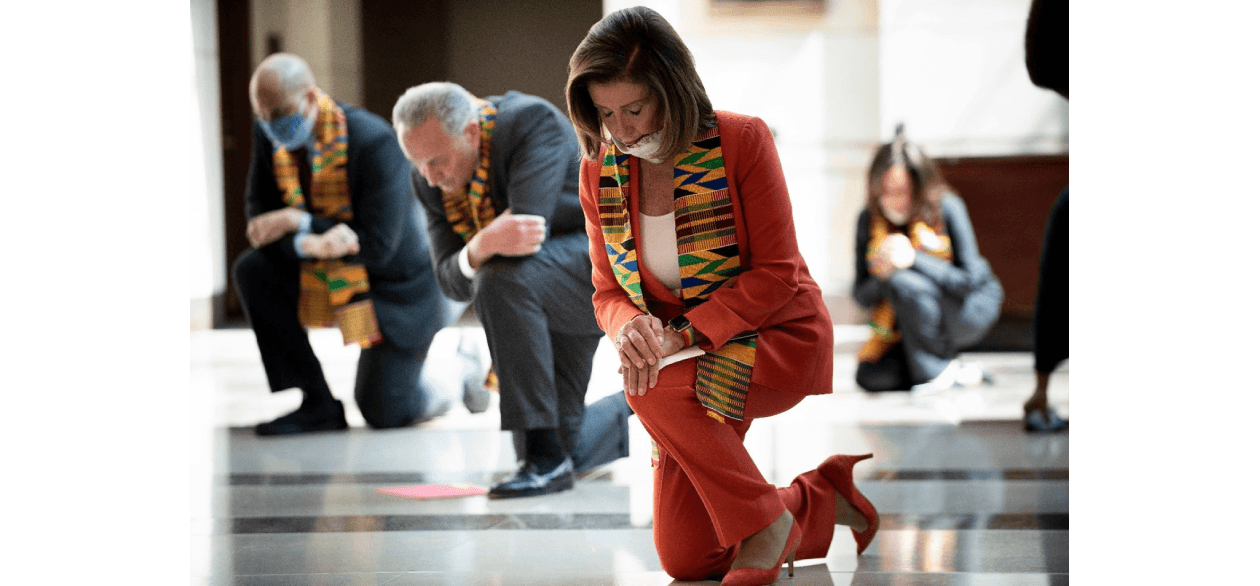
point(407, 46)
point(326, 33)
point(487, 46)
point(1009, 201)
point(525, 46)
point(207, 274)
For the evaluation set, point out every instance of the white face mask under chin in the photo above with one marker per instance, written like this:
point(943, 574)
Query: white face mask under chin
point(894, 217)
point(644, 148)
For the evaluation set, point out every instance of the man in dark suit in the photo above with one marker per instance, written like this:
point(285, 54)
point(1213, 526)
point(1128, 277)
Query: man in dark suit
point(498, 179)
point(336, 241)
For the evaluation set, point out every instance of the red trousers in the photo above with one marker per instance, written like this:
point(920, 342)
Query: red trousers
point(708, 493)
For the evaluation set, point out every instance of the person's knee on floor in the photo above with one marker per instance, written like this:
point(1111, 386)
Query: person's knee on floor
point(390, 389)
point(379, 416)
point(682, 563)
point(875, 378)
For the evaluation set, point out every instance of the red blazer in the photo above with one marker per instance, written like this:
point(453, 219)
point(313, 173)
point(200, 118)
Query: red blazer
point(774, 295)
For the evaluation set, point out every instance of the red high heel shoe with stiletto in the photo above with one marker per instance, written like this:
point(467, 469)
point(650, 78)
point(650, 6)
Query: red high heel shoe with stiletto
point(838, 470)
point(759, 577)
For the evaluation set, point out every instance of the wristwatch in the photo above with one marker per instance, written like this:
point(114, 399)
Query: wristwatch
point(682, 325)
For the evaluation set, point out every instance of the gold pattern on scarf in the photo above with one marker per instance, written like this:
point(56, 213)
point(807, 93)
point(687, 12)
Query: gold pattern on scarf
point(470, 210)
point(326, 287)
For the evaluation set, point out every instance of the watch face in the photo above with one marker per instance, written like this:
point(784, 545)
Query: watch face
point(680, 323)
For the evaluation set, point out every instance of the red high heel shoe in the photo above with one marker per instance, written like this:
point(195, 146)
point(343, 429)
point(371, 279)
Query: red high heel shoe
point(759, 577)
point(838, 470)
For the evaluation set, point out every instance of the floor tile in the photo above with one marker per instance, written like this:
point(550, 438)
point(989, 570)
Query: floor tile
point(966, 497)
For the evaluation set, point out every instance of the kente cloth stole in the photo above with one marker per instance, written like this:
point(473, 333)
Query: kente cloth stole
point(708, 256)
point(329, 288)
point(470, 210)
point(929, 239)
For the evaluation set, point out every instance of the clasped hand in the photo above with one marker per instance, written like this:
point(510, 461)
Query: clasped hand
point(641, 345)
point(269, 227)
point(894, 253)
point(339, 241)
point(508, 235)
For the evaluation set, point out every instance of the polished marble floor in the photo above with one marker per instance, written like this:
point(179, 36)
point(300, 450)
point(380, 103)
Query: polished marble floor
point(965, 496)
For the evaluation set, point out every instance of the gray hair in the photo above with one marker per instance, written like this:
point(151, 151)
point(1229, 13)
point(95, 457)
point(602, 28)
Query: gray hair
point(293, 73)
point(450, 103)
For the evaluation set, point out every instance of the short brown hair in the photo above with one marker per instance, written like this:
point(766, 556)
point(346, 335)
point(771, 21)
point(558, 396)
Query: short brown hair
point(639, 46)
point(929, 184)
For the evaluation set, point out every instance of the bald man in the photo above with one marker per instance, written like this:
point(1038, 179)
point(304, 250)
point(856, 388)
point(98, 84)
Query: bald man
point(336, 242)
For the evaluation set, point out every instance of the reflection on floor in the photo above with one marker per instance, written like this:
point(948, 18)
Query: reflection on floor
point(965, 496)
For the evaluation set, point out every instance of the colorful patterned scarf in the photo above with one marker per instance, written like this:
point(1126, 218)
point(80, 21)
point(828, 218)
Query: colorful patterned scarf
point(328, 286)
point(932, 240)
point(708, 257)
point(470, 210)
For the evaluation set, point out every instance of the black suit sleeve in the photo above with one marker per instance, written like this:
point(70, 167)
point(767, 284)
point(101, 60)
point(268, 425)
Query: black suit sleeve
point(379, 193)
point(262, 195)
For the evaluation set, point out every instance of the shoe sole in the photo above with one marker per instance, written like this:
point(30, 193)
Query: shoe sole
point(265, 433)
point(1055, 425)
point(1038, 429)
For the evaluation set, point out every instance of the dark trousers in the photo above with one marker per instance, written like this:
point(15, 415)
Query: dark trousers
point(1050, 315)
point(542, 333)
point(603, 436)
point(935, 326)
point(388, 388)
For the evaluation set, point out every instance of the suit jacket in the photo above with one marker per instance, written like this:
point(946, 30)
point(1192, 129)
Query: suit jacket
point(775, 295)
point(386, 219)
point(534, 158)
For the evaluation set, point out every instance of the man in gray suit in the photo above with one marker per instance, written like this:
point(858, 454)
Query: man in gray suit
point(498, 179)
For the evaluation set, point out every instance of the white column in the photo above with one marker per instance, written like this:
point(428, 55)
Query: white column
point(207, 272)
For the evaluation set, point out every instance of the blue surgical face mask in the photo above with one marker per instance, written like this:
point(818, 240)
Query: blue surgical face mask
point(291, 132)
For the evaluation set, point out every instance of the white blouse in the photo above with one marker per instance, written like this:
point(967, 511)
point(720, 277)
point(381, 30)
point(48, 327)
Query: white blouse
point(658, 249)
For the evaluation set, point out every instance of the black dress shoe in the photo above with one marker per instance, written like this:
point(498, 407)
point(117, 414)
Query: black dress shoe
point(530, 482)
point(329, 418)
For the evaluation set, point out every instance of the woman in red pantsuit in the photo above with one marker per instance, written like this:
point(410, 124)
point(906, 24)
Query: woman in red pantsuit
point(700, 285)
